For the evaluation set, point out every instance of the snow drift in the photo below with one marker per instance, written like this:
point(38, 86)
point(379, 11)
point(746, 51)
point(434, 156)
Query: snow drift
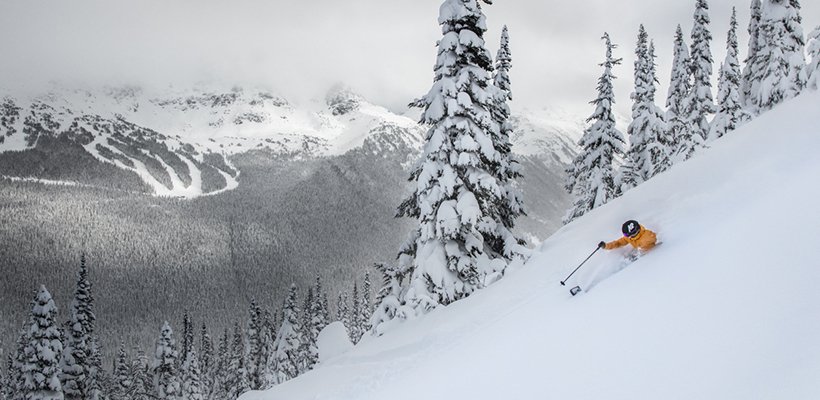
point(727, 308)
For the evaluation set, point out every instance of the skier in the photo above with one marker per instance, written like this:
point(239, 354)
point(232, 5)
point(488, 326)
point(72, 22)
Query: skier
point(639, 237)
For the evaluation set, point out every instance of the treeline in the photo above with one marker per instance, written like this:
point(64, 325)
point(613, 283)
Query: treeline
point(775, 70)
point(64, 361)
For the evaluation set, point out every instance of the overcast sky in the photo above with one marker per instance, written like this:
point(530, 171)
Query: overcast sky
point(382, 48)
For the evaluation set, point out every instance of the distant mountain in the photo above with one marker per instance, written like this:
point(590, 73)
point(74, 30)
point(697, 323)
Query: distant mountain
point(313, 191)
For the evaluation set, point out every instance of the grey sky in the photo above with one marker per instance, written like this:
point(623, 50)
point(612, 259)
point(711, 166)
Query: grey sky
point(382, 48)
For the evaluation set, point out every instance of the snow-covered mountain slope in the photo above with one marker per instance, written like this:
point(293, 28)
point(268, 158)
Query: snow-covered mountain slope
point(179, 142)
point(726, 308)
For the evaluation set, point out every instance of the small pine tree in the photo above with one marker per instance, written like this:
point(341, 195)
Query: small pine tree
point(142, 387)
point(503, 64)
point(257, 349)
point(813, 50)
point(193, 387)
point(731, 113)
point(701, 103)
point(237, 367)
point(164, 369)
point(206, 357)
point(388, 299)
point(270, 339)
point(40, 367)
point(366, 310)
point(288, 342)
point(591, 175)
point(678, 104)
point(122, 382)
point(355, 331)
point(77, 378)
point(780, 59)
point(219, 387)
point(343, 312)
point(187, 336)
point(310, 328)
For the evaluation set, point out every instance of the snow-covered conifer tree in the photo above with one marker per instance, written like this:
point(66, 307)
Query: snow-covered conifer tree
point(187, 337)
point(312, 325)
point(142, 387)
point(701, 103)
point(460, 197)
point(77, 377)
point(591, 175)
point(122, 379)
point(206, 357)
point(219, 387)
point(780, 59)
point(257, 349)
point(288, 341)
point(730, 113)
point(750, 73)
point(678, 104)
point(648, 151)
point(193, 387)
point(388, 299)
point(343, 312)
point(270, 340)
point(237, 367)
point(503, 64)
point(367, 305)
point(813, 49)
point(355, 312)
point(164, 368)
point(40, 367)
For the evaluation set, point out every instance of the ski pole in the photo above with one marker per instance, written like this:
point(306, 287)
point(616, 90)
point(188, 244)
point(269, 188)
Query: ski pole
point(564, 282)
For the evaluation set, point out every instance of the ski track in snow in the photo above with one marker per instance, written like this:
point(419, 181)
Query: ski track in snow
point(725, 309)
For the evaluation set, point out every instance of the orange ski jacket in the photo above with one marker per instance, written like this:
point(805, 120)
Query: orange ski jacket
point(645, 240)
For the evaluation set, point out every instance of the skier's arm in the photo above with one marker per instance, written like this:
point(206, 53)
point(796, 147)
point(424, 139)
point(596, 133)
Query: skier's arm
point(617, 244)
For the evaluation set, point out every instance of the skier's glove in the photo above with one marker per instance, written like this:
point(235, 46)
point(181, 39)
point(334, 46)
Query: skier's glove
point(602, 245)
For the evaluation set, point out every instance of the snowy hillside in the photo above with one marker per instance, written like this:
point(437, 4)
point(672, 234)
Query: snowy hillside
point(726, 308)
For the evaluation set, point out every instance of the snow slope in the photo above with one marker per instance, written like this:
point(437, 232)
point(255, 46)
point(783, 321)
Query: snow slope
point(727, 308)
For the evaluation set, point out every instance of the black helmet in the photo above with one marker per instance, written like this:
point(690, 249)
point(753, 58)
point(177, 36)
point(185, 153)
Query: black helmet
point(631, 228)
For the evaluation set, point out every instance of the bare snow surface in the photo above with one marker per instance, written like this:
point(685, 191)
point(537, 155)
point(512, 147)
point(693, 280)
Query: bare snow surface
point(727, 308)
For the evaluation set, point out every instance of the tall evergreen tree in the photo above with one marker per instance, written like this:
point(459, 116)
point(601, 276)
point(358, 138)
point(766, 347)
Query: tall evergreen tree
point(237, 376)
point(310, 329)
point(678, 104)
point(40, 367)
point(591, 175)
point(99, 379)
point(270, 339)
point(648, 151)
point(187, 336)
point(164, 368)
point(780, 60)
point(77, 377)
point(814, 66)
point(750, 72)
point(219, 387)
point(460, 195)
point(731, 113)
point(122, 382)
point(206, 357)
point(193, 387)
point(142, 387)
point(258, 350)
point(701, 101)
point(288, 341)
